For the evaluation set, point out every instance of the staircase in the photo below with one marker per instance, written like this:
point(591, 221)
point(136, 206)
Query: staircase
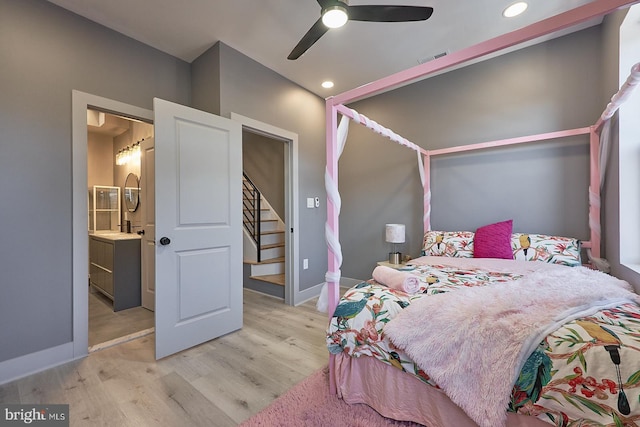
point(263, 242)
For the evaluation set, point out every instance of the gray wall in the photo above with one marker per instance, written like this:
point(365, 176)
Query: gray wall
point(543, 188)
point(46, 53)
point(252, 90)
point(263, 162)
point(205, 81)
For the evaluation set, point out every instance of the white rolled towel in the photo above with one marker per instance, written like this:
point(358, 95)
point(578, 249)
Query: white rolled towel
point(395, 279)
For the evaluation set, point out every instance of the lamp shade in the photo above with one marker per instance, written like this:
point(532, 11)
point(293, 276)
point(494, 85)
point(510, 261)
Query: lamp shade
point(394, 233)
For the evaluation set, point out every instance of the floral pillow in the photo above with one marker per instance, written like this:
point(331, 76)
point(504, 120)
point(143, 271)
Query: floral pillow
point(448, 243)
point(540, 247)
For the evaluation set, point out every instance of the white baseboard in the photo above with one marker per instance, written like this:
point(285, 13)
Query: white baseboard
point(348, 282)
point(307, 294)
point(22, 366)
point(314, 291)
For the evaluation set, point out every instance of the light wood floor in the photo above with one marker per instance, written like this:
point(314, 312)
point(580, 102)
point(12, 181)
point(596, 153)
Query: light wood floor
point(219, 383)
point(106, 325)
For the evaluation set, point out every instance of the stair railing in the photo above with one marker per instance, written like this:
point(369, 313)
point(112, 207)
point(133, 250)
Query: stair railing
point(251, 210)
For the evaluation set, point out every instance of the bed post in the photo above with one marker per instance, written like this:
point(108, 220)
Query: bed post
point(332, 210)
point(333, 266)
point(594, 192)
point(427, 193)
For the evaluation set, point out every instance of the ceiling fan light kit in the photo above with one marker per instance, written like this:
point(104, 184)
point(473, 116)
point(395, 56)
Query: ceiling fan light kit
point(335, 16)
point(342, 12)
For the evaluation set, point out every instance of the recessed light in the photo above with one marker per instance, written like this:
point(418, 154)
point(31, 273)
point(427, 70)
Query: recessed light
point(515, 9)
point(327, 84)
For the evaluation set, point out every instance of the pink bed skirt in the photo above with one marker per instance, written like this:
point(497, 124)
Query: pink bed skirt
point(400, 396)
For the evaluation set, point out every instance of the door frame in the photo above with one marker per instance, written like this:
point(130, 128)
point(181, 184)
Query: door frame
point(80, 101)
point(292, 294)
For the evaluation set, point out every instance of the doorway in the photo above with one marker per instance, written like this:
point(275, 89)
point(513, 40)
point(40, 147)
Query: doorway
point(289, 203)
point(166, 117)
point(116, 314)
point(81, 102)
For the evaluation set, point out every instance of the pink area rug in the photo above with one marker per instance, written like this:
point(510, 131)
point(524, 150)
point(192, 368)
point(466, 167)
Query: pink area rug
point(309, 404)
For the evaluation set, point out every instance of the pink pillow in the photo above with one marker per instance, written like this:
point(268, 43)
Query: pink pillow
point(493, 241)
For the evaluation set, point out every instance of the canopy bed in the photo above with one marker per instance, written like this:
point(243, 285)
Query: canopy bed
point(564, 365)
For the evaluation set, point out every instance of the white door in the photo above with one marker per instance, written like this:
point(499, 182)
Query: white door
point(148, 227)
point(198, 170)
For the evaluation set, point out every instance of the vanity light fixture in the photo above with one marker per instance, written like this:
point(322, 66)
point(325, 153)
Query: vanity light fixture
point(135, 152)
point(128, 154)
point(515, 9)
point(122, 157)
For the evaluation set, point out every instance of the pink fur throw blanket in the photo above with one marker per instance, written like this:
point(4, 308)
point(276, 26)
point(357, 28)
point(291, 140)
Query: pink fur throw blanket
point(473, 342)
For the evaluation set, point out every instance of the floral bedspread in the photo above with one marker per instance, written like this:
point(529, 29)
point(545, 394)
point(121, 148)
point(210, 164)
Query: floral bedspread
point(586, 373)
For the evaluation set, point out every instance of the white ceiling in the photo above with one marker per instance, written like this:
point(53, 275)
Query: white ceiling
point(267, 30)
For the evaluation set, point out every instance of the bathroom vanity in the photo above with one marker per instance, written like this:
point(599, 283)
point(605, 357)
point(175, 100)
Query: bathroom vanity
point(114, 267)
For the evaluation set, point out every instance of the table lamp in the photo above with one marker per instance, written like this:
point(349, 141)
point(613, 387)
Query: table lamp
point(394, 234)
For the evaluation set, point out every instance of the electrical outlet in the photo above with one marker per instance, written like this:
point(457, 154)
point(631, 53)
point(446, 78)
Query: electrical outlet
point(317, 202)
point(305, 264)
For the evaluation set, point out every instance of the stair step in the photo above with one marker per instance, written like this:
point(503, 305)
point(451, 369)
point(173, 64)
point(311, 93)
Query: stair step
point(272, 245)
point(245, 221)
point(276, 279)
point(263, 220)
point(265, 261)
point(272, 237)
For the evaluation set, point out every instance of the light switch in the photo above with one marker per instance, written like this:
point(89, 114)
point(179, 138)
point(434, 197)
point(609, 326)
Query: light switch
point(310, 202)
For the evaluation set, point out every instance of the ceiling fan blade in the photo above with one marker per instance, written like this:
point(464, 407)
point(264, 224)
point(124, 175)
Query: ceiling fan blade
point(326, 3)
point(380, 13)
point(315, 32)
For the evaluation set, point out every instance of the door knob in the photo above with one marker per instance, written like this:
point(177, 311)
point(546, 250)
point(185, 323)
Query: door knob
point(140, 232)
point(165, 241)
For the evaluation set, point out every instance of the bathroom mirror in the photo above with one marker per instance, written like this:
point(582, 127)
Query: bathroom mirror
point(132, 192)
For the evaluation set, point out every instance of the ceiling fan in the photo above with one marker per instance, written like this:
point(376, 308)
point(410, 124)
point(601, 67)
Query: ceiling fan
point(336, 13)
